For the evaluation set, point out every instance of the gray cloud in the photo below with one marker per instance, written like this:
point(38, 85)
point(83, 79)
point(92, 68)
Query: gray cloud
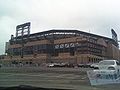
point(97, 16)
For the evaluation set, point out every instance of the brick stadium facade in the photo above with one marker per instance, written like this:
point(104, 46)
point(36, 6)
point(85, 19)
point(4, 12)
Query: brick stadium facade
point(68, 46)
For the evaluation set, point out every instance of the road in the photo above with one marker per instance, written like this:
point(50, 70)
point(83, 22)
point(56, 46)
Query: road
point(51, 78)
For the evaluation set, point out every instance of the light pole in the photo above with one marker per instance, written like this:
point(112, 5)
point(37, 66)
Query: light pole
point(21, 30)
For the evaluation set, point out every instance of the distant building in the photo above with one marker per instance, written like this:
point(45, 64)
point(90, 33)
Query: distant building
point(6, 47)
point(68, 46)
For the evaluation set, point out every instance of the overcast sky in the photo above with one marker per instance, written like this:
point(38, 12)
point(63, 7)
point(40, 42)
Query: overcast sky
point(95, 16)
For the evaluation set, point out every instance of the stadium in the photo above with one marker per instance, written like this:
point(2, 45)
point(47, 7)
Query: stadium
point(59, 46)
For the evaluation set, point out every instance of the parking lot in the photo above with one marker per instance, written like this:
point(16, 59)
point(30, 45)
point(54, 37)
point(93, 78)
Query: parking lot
point(62, 78)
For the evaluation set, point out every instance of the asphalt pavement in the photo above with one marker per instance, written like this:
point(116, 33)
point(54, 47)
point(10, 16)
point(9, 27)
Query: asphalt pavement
point(62, 78)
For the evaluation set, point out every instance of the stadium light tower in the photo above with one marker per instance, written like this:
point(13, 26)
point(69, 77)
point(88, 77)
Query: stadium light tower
point(21, 31)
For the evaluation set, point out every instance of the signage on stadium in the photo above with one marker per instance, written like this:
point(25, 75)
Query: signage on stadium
point(114, 35)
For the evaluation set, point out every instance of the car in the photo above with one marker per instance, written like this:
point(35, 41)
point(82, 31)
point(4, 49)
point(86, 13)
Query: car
point(106, 72)
point(54, 65)
point(84, 65)
point(50, 65)
point(94, 66)
point(110, 65)
point(81, 65)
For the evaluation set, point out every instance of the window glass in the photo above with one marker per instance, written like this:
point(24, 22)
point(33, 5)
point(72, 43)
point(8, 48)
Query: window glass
point(118, 63)
point(107, 63)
